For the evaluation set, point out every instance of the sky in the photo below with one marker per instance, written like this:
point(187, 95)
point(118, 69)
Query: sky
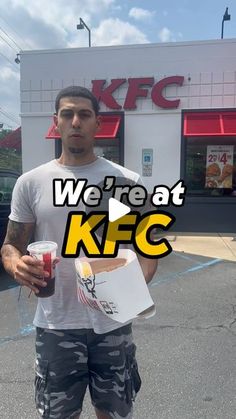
point(44, 24)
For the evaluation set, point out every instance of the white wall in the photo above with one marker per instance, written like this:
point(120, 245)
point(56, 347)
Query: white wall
point(36, 149)
point(160, 132)
point(209, 74)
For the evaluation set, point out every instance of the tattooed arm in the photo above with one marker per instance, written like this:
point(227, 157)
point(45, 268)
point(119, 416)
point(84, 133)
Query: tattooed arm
point(21, 267)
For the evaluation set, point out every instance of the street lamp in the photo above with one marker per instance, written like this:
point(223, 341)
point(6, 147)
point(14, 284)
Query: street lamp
point(83, 25)
point(17, 60)
point(225, 17)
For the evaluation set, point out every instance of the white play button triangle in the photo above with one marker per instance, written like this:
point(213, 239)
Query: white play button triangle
point(117, 209)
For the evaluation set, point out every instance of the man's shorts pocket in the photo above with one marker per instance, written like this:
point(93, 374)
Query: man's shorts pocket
point(133, 380)
point(42, 394)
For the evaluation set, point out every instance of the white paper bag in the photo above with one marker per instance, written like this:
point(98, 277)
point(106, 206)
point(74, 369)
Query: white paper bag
point(114, 286)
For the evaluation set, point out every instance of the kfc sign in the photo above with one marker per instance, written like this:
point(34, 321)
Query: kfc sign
point(137, 87)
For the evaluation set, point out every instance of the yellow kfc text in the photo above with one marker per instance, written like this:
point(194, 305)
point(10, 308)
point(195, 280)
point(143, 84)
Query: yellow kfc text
point(98, 237)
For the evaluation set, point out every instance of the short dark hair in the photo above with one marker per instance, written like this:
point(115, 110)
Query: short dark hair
point(77, 91)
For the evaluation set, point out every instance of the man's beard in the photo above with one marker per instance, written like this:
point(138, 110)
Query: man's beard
point(76, 150)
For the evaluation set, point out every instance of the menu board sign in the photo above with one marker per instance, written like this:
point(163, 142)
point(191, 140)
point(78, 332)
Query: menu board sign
point(219, 166)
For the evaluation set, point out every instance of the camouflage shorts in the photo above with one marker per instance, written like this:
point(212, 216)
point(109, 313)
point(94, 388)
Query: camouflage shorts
point(67, 361)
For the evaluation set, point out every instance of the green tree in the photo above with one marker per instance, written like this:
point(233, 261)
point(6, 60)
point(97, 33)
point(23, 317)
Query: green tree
point(4, 132)
point(9, 157)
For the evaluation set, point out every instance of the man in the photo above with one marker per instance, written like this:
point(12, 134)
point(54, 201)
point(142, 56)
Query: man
point(75, 346)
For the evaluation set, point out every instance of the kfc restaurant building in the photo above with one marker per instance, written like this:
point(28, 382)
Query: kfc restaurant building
point(168, 112)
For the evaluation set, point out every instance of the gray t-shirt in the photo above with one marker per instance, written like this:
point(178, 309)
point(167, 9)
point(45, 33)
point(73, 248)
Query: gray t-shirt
point(32, 201)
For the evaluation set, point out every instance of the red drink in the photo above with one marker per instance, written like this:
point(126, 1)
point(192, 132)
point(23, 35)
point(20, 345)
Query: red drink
point(45, 251)
point(50, 288)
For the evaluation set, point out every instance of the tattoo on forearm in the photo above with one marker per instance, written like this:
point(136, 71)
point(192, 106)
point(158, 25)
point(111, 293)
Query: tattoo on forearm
point(18, 235)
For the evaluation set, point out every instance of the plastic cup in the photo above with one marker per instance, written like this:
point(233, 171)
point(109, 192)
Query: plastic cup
point(46, 252)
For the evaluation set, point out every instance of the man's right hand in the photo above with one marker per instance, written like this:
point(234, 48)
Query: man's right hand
point(23, 268)
point(30, 272)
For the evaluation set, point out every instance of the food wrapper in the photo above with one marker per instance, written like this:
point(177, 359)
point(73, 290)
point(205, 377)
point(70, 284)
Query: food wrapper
point(114, 286)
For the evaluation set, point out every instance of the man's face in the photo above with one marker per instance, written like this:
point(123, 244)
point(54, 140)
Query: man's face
point(77, 124)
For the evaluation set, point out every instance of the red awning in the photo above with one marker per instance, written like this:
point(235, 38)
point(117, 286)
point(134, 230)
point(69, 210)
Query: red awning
point(12, 140)
point(201, 124)
point(109, 127)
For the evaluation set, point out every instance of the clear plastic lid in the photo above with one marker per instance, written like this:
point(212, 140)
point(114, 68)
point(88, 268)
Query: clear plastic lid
point(42, 247)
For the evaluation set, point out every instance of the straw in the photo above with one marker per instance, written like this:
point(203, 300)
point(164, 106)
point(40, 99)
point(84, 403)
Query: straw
point(19, 294)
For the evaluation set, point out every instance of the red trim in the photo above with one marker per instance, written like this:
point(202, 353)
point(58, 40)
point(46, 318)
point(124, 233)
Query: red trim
point(201, 124)
point(109, 127)
point(52, 133)
point(12, 140)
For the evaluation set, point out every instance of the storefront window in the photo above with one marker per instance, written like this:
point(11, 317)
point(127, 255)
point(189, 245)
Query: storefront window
point(210, 166)
point(109, 149)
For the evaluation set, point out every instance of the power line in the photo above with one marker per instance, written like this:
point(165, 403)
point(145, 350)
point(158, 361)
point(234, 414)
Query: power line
point(12, 40)
point(16, 50)
point(9, 126)
point(9, 60)
point(9, 116)
point(9, 113)
point(4, 20)
point(11, 119)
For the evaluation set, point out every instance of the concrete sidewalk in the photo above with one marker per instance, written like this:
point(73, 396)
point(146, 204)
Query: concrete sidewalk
point(212, 246)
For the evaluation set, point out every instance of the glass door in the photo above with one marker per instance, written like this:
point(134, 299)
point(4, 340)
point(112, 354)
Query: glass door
point(109, 149)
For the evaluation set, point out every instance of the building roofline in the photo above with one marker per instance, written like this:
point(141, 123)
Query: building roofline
point(131, 46)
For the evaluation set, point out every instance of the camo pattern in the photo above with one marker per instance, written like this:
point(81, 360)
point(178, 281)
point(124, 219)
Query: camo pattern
point(67, 361)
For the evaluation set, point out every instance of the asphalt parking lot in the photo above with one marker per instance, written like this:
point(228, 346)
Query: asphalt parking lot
point(186, 353)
